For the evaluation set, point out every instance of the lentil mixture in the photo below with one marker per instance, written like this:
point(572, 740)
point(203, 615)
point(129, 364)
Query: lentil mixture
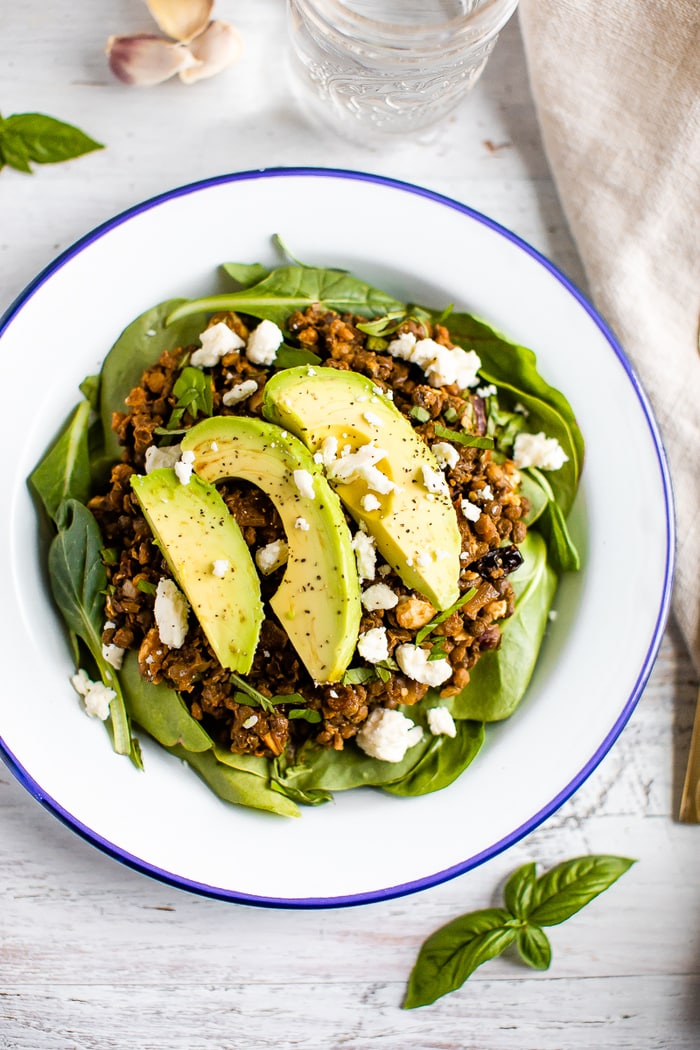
point(134, 564)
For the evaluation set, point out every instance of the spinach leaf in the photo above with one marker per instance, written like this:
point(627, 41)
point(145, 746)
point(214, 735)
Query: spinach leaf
point(536, 496)
point(561, 892)
point(78, 581)
point(26, 137)
point(159, 710)
point(453, 952)
point(291, 356)
point(138, 347)
point(290, 288)
point(561, 550)
point(236, 785)
point(513, 369)
point(64, 472)
point(246, 274)
point(500, 677)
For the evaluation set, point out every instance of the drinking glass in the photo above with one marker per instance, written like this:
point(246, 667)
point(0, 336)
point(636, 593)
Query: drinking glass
point(373, 69)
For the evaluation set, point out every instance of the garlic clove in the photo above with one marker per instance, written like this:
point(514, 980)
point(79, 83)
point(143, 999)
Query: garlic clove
point(181, 19)
point(219, 46)
point(144, 59)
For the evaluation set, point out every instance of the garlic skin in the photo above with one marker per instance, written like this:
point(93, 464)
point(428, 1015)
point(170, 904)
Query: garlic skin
point(217, 48)
point(181, 19)
point(144, 59)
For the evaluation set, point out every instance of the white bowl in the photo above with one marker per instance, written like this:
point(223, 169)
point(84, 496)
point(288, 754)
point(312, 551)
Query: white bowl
point(598, 652)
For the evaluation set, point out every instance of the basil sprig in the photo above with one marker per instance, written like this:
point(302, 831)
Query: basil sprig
point(27, 138)
point(453, 953)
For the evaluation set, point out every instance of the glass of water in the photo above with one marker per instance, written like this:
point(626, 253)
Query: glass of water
point(376, 69)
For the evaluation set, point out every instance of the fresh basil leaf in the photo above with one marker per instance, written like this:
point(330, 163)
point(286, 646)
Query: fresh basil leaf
point(452, 953)
point(429, 627)
point(307, 714)
point(382, 326)
point(78, 581)
point(193, 392)
point(44, 139)
point(64, 472)
point(14, 150)
point(259, 699)
point(291, 357)
point(160, 710)
point(518, 890)
point(534, 947)
point(565, 889)
point(137, 348)
point(359, 675)
point(498, 680)
point(290, 288)
point(462, 438)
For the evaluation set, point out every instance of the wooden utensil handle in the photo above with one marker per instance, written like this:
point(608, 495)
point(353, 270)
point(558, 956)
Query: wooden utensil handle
point(690, 802)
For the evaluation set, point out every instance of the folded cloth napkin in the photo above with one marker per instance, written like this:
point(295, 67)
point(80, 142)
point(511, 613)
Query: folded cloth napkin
point(617, 90)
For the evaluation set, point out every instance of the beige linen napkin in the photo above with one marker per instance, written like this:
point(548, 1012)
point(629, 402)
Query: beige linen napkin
point(617, 89)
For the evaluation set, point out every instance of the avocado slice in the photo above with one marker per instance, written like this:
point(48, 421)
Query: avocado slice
point(195, 531)
point(318, 600)
point(415, 529)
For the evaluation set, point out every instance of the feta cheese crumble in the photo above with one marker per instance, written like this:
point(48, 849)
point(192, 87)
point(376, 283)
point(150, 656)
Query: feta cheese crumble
point(470, 510)
point(220, 567)
point(446, 454)
point(373, 645)
point(370, 502)
point(97, 695)
point(156, 458)
point(443, 366)
point(415, 664)
point(379, 596)
point(263, 343)
point(304, 482)
point(441, 722)
point(171, 611)
point(302, 524)
point(250, 721)
point(387, 735)
point(365, 555)
point(434, 480)
point(113, 654)
point(239, 392)
point(536, 450)
point(216, 341)
point(360, 466)
point(185, 466)
point(271, 556)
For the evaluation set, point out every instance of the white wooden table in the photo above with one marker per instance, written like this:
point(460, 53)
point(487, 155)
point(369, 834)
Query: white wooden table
point(93, 955)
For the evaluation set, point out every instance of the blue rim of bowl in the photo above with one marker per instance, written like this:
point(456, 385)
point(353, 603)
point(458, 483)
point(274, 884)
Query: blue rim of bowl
point(434, 879)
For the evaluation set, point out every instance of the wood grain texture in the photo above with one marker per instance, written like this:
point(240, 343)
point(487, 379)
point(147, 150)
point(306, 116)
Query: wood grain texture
point(94, 956)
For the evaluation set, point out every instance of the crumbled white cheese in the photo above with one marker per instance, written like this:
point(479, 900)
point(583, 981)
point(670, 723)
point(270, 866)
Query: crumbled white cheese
point(486, 391)
point(373, 645)
point(250, 721)
point(536, 450)
point(263, 343)
point(97, 695)
point(271, 556)
point(171, 612)
point(441, 722)
point(329, 450)
point(156, 458)
point(470, 510)
point(434, 480)
point(384, 570)
point(360, 466)
point(370, 502)
point(185, 466)
point(220, 567)
point(415, 664)
point(387, 735)
point(443, 366)
point(445, 453)
point(365, 555)
point(302, 524)
point(485, 493)
point(239, 392)
point(113, 654)
point(216, 341)
point(373, 419)
point(304, 482)
point(379, 596)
